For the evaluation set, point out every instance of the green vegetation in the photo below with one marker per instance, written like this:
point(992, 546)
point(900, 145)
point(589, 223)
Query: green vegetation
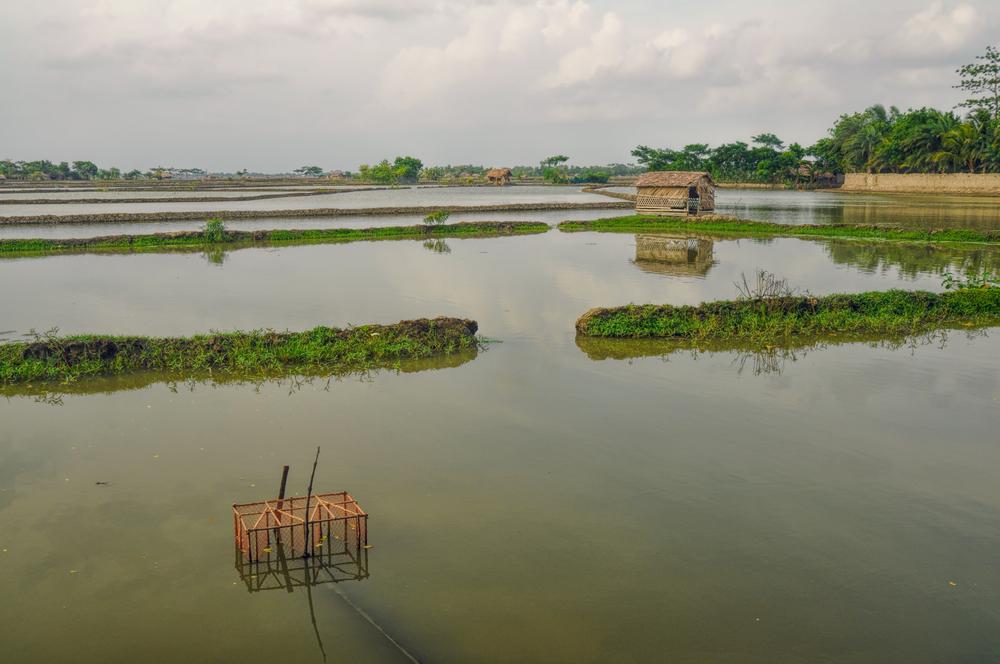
point(43, 169)
point(48, 357)
point(876, 140)
point(768, 161)
point(309, 171)
point(437, 217)
point(774, 316)
point(972, 279)
point(214, 231)
point(733, 227)
point(402, 169)
point(215, 235)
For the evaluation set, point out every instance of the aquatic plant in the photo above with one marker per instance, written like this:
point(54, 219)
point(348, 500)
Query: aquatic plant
point(981, 279)
point(214, 231)
point(437, 217)
point(49, 357)
point(777, 319)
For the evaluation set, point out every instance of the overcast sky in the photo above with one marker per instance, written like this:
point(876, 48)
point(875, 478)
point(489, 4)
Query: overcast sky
point(272, 85)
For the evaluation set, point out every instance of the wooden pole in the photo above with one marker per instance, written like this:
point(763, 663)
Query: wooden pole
point(284, 479)
point(308, 497)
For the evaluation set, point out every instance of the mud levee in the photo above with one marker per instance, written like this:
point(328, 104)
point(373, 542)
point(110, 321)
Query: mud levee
point(978, 184)
point(182, 199)
point(133, 217)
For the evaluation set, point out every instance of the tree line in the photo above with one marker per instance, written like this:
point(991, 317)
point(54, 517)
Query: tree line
point(876, 140)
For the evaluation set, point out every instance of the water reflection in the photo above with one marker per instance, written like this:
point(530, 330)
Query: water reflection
point(831, 207)
point(756, 359)
point(912, 260)
point(674, 255)
point(290, 574)
point(437, 246)
point(52, 393)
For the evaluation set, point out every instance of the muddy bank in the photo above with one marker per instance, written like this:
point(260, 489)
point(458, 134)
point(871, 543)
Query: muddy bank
point(232, 239)
point(182, 199)
point(139, 217)
point(258, 352)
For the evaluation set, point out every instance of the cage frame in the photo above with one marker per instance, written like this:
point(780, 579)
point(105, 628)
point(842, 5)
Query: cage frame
point(299, 526)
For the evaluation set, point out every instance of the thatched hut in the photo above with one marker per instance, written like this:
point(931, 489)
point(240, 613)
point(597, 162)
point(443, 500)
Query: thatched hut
point(498, 176)
point(674, 192)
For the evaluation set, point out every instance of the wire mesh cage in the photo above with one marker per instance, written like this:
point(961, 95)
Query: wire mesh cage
point(327, 526)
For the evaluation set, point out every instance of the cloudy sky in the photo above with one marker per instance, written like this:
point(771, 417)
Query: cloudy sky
point(273, 84)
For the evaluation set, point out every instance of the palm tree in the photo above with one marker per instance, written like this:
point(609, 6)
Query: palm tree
point(960, 149)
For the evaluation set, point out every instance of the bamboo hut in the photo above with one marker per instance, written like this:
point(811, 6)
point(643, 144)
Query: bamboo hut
point(674, 192)
point(498, 176)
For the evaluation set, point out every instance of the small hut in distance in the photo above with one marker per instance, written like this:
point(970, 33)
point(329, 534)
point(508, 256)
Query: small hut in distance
point(674, 192)
point(498, 176)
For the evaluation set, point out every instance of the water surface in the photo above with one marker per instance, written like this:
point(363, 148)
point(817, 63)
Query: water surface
point(529, 504)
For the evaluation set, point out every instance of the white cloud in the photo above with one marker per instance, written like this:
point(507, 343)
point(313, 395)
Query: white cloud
point(938, 28)
point(454, 80)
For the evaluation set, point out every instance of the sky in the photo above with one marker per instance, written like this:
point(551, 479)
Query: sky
point(271, 85)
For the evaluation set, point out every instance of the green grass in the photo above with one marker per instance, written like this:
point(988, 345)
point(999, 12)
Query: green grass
point(215, 237)
point(780, 319)
point(246, 354)
point(733, 227)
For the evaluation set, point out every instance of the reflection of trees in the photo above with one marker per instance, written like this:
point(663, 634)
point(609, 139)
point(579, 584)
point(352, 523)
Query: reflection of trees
point(215, 255)
point(674, 255)
point(437, 246)
point(760, 360)
point(295, 380)
point(912, 260)
point(924, 212)
point(913, 211)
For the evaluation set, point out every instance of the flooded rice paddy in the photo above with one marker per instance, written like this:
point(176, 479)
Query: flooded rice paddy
point(532, 502)
point(406, 196)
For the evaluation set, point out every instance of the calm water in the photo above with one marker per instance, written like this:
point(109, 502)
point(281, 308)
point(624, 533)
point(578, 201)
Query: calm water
point(552, 217)
point(832, 207)
point(407, 196)
point(529, 503)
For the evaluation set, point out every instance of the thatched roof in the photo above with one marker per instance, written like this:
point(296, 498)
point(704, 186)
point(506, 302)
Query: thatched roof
point(670, 178)
point(498, 173)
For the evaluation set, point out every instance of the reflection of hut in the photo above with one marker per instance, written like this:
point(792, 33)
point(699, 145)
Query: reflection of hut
point(498, 176)
point(678, 256)
point(674, 192)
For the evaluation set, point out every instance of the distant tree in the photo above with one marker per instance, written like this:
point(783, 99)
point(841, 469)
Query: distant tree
point(768, 141)
point(85, 170)
point(407, 169)
point(554, 161)
point(553, 168)
point(981, 79)
point(309, 171)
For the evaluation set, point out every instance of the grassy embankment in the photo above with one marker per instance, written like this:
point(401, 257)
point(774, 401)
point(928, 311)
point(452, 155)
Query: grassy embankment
point(734, 227)
point(227, 238)
point(244, 354)
point(776, 320)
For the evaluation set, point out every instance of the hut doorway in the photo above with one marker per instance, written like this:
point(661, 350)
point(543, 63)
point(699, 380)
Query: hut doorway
point(694, 200)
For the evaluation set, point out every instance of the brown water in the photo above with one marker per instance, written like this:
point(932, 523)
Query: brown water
point(527, 504)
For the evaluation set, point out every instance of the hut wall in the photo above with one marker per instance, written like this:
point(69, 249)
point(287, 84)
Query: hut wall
point(661, 200)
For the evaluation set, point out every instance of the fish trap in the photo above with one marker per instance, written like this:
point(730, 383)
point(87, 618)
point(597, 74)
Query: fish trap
point(329, 525)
